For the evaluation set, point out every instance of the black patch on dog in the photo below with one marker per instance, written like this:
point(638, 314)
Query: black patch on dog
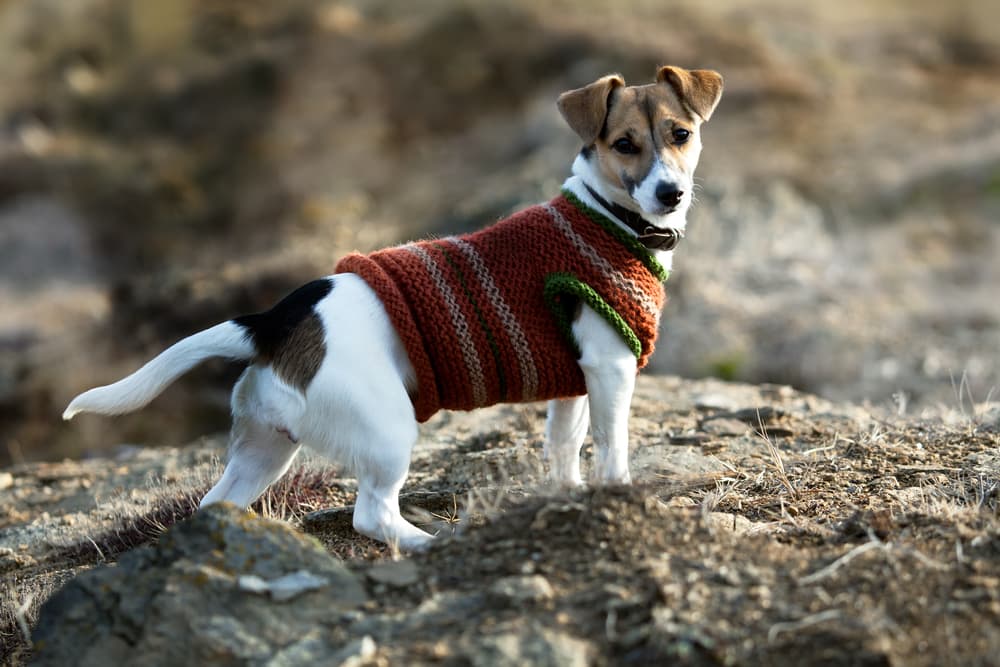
point(290, 335)
point(607, 112)
point(649, 106)
point(603, 136)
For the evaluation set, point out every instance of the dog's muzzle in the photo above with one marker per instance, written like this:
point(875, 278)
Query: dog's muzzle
point(654, 238)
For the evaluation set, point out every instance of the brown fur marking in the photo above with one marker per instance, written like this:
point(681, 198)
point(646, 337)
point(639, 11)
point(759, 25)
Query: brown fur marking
point(647, 115)
point(698, 89)
point(585, 108)
point(297, 361)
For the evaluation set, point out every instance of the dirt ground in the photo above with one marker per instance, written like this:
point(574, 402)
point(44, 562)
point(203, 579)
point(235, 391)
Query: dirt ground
point(765, 526)
point(164, 167)
point(167, 165)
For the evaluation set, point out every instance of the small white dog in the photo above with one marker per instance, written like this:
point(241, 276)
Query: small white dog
point(560, 302)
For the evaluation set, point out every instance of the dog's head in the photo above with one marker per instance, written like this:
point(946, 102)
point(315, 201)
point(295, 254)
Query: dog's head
point(642, 143)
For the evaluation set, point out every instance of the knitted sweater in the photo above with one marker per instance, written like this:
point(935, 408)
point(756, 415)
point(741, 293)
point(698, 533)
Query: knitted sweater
point(486, 317)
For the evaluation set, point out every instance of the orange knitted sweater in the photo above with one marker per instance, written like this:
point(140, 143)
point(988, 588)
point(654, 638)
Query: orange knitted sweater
point(486, 317)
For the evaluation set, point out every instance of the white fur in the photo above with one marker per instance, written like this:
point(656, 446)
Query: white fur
point(643, 200)
point(645, 194)
point(139, 388)
point(565, 429)
point(357, 409)
point(609, 368)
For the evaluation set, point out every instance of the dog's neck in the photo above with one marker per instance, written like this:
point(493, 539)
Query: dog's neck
point(585, 185)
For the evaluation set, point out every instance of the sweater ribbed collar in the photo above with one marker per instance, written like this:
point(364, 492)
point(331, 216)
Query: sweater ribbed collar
point(634, 246)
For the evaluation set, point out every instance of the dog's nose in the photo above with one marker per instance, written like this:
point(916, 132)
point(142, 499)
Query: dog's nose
point(669, 194)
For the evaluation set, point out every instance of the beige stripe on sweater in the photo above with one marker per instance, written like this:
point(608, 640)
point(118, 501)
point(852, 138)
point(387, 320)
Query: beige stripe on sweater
point(526, 362)
point(464, 334)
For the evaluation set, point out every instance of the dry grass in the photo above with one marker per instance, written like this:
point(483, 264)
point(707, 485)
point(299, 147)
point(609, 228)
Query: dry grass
point(885, 499)
point(307, 487)
point(777, 463)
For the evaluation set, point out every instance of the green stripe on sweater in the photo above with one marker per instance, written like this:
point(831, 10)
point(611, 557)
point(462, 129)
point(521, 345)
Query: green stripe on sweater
point(560, 285)
point(640, 251)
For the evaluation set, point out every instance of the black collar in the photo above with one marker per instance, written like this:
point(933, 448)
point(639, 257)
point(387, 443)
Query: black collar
point(651, 236)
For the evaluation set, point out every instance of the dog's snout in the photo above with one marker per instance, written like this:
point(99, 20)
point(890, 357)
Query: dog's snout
point(668, 194)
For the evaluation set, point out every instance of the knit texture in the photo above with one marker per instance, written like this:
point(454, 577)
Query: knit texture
point(487, 317)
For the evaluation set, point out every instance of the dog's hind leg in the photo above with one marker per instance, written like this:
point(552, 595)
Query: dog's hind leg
point(359, 409)
point(258, 456)
point(381, 467)
point(263, 443)
point(565, 430)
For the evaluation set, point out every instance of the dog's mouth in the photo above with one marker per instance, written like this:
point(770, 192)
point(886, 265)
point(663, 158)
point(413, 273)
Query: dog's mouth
point(661, 211)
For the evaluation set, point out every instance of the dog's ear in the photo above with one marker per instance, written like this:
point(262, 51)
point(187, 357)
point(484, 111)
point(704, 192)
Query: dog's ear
point(586, 108)
point(698, 89)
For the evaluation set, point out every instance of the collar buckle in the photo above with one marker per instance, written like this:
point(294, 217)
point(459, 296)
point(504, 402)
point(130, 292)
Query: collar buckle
point(654, 238)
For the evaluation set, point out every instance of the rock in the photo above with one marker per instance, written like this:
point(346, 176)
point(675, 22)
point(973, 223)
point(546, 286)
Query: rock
point(448, 609)
point(526, 588)
point(398, 573)
point(725, 427)
point(6, 480)
point(355, 654)
point(220, 588)
point(724, 522)
point(332, 517)
point(309, 650)
point(755, 416)
point(283, 588)
point(714, 401)
point(985, 462)
point(12, 560)
point(529, 646)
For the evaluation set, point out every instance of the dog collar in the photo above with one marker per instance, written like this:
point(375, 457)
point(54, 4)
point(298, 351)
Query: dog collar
point(651, 236)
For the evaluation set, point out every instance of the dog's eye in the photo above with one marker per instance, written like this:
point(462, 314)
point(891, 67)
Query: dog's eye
point(681, 135)
point(625, 145)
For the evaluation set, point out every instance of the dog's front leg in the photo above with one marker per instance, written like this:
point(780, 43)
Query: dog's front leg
point(609, 368)
point(565, 430)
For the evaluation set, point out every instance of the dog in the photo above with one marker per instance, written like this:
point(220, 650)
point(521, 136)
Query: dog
point(560, 302)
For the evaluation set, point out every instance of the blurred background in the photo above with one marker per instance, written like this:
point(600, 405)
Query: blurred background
point(166, 165)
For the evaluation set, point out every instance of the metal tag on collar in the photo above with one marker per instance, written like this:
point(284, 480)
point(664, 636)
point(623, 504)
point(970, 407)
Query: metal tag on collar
point(661, 239)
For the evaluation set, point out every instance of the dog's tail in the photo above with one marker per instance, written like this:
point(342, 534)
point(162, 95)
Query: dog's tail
point(228, 339)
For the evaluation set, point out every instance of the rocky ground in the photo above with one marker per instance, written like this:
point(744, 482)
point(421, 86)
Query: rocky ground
point(766, 526)
point(164, 166)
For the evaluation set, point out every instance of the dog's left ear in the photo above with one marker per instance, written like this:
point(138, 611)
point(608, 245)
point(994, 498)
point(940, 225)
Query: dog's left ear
point(586, 108)
point(698, 89)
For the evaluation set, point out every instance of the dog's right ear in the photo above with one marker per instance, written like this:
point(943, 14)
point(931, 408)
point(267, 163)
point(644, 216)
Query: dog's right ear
point(586, 108)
